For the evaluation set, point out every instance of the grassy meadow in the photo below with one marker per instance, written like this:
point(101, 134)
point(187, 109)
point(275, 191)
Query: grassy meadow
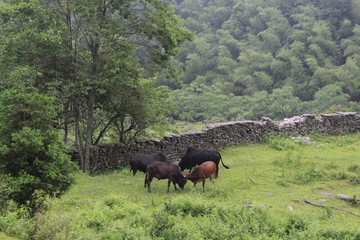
point(261, 196)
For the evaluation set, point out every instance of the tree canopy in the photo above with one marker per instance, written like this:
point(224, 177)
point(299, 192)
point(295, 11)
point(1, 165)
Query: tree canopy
point(97, 58)
point(247, 48)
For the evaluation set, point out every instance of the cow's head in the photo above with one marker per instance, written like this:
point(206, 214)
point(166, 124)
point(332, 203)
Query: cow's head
point(181, 182)
point(162, 157)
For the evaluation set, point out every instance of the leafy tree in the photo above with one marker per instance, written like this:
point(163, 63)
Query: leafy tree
point(328, 96)
point(355, 6)
point(259, 105)
point(85, 52)
point(200, 102)
point(32, 154)
point(137, 109)
point(282, 103)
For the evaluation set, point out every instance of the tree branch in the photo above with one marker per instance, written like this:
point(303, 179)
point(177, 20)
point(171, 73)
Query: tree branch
point(336, 208)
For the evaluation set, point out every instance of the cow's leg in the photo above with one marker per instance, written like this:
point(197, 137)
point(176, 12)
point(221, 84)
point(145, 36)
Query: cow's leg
point(204, 184)
point(148, 181)
point(134, 171)
point(146, 175)
point(217, 171)
point(194, 186)
point(173, 181)
point(168, 186)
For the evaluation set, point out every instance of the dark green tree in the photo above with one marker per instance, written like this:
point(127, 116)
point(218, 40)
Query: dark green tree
point(32, 154)
point(86, 52)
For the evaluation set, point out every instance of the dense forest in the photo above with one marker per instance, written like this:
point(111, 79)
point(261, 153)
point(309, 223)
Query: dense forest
point(274, 58)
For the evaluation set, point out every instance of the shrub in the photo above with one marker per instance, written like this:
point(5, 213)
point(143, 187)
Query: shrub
point(345, 234)
point(16, 222)
point(113, 201)
point(354, 168)
point(354, 179)
point(296, 223)
point(5, 191)
point(161, 223)
point(281, 142)
point(186, 206)
point(32, 153)
point(309, 175)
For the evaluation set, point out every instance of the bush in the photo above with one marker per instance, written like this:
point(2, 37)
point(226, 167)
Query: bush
point(281, 142)
point(32, 153)
point(5, 191)
point(16, 222)
point(187, 206)
point(309, 175)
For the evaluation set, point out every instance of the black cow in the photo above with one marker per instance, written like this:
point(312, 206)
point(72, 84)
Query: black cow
point(140, 162)
point(195, 156)
point(164, 170)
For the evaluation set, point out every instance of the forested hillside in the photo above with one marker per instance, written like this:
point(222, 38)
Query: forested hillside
point(268, 57)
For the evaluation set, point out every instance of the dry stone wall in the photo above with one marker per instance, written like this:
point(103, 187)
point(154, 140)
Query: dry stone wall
point(220, 135)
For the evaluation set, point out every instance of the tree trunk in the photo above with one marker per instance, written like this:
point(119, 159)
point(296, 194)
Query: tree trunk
point(89, 129)
point(75, 97)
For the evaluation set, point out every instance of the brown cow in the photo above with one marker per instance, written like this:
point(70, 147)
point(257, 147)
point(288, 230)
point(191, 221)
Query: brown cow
point(164, 170)
point(201, 172)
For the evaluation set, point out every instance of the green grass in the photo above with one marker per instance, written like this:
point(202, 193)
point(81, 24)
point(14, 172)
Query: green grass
point(3, 236)
point(181, 127)
point(259, 197)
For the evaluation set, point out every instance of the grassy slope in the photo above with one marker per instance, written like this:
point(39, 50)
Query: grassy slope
point(274, 180)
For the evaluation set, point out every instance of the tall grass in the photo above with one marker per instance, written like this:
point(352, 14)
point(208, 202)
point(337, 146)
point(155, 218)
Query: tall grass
point(259, 197)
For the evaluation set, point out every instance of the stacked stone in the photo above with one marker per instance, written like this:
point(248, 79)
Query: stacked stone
point(220, 135)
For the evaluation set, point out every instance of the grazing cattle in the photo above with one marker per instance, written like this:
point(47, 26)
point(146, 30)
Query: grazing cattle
point(194, 157)
point(201, 173)
point(164, 170)
point(140, 162)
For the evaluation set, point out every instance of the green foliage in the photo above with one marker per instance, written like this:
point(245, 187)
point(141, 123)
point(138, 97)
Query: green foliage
point(34, 157)
point(140, 111)
point(4, 190)
point(16, 222)
point(298, 56)
point(186, 206)
point(98, 60)
point(281, 142)
point(296, 223)
point(308, 175)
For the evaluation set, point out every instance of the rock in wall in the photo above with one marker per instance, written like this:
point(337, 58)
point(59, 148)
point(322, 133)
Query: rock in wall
point(333, 123)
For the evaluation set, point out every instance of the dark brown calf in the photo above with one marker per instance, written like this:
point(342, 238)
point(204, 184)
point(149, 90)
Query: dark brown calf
point(164, 170)
point(201, 172)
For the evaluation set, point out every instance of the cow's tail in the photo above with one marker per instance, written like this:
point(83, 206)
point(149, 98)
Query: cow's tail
point(223, 162)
